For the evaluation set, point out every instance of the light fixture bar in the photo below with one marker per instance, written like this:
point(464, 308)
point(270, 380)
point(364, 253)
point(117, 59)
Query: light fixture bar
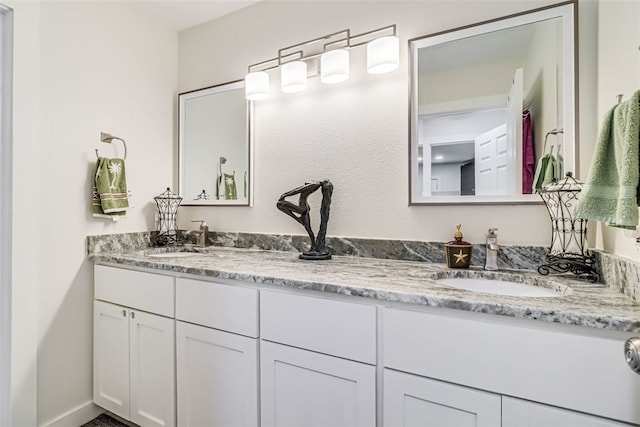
point(390, 28)
point(284, 57)
point(302, 57)
point(382, 57)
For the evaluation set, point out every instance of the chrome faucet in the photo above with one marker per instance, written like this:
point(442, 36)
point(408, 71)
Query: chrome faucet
point(491, 259)
point(203, 232)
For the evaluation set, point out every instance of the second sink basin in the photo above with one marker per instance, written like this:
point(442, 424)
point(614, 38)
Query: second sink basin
point(538, 288)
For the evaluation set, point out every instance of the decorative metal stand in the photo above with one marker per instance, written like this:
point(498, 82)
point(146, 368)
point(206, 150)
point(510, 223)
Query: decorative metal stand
point(568, 252)
point(300, 213)
point(168, 204)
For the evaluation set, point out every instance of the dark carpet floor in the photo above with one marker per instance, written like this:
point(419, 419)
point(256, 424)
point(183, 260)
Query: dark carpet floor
point(104, 420)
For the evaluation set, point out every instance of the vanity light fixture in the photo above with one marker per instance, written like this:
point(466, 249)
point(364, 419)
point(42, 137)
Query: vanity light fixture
point(333, 50)
point(334, 66)
point(383, 55)
point(293, 77)
point(256, 85)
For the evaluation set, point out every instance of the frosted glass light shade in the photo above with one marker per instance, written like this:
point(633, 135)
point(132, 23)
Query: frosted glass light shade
point(383, 55)
point(334, 66)
point(256, 85)
point(293, 77)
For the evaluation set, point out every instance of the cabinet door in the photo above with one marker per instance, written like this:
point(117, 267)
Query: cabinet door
point(111, 358)
point(522, 413)
point(152, 365)
point(217, 377)
point(411, 400)
point(302, 388)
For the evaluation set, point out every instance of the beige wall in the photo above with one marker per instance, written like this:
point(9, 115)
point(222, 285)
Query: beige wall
point(80, 68)
point(354, 133)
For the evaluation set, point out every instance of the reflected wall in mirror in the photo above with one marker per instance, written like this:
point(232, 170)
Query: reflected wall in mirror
point(490, 104)
point(215, 146)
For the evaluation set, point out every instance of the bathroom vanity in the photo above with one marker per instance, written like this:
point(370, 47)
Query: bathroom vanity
point(247, 337)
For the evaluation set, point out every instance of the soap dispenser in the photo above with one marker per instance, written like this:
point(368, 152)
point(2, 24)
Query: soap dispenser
point(457, 251)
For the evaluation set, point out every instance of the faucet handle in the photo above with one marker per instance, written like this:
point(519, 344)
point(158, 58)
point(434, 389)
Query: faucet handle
point(202, 223)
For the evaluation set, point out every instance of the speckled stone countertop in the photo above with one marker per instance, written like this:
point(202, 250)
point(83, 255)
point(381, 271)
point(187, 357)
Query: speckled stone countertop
point(579, 303)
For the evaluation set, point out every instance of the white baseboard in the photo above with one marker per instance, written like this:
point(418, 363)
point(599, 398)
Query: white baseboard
point(77, 416)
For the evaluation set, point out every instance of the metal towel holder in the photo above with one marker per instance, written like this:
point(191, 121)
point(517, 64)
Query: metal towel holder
point(107, 137)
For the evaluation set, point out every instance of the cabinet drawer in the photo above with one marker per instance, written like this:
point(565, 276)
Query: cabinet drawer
point(226, 307)
point(338, 328)
point(561, 365)
point(135, 289)
point(304, 388)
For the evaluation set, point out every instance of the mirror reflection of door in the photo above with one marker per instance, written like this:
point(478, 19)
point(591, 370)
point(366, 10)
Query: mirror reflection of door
point(449, 142)
point(491, 162)
point(491, 135)
point(472, 80)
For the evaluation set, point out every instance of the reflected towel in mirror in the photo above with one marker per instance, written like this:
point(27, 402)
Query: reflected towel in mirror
point(230, 189)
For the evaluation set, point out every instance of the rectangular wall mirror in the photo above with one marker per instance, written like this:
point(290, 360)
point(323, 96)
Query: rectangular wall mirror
point(490, 104)
point(215, 146)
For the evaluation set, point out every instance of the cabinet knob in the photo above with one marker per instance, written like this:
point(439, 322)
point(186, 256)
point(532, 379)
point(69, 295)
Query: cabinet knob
point(632, 353)
point(124, 313)
point(133, 315)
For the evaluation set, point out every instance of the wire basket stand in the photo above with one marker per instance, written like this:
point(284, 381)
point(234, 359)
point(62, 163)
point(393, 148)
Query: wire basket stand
point(168, 204)
point(568, 252)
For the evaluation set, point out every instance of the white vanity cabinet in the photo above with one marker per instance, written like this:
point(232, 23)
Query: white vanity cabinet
point(207, 353)
point(134, 342)
point(411, 400)
point(439, 361)
point(317, 361)
point(216, 354)
point(522, 413)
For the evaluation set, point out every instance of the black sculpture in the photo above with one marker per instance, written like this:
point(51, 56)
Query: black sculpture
point(300, 213)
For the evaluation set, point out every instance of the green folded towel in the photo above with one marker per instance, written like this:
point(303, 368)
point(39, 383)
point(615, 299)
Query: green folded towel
point(609, 193)
point(110, 188)
point(230, 190)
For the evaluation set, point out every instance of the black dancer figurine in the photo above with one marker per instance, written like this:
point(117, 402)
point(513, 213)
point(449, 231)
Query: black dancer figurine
point(300, 213)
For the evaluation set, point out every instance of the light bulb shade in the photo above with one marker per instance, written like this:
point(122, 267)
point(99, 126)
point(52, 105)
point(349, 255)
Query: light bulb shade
point(383, 55)
point(256, 85)
point(334, 66)
point(293, 77)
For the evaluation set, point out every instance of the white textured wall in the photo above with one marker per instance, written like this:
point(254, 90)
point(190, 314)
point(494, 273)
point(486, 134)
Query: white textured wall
point(26, 173)
point(354, 133)
point(618, 73)
point(81, 68)
point(462, 84)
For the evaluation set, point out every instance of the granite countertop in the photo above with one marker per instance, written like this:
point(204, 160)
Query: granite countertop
point(580, 303)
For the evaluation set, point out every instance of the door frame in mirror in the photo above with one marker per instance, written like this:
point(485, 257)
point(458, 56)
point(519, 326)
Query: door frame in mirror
point(565, 10)
point(208, 91)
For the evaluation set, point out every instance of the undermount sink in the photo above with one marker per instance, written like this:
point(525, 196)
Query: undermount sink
point(172, 254)
point(506, 287)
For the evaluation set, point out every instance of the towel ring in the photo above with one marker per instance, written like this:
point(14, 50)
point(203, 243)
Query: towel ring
point(107, 137)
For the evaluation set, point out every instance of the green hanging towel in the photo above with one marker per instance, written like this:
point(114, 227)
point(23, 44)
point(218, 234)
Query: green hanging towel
point(609, 193)
point(110, 198)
